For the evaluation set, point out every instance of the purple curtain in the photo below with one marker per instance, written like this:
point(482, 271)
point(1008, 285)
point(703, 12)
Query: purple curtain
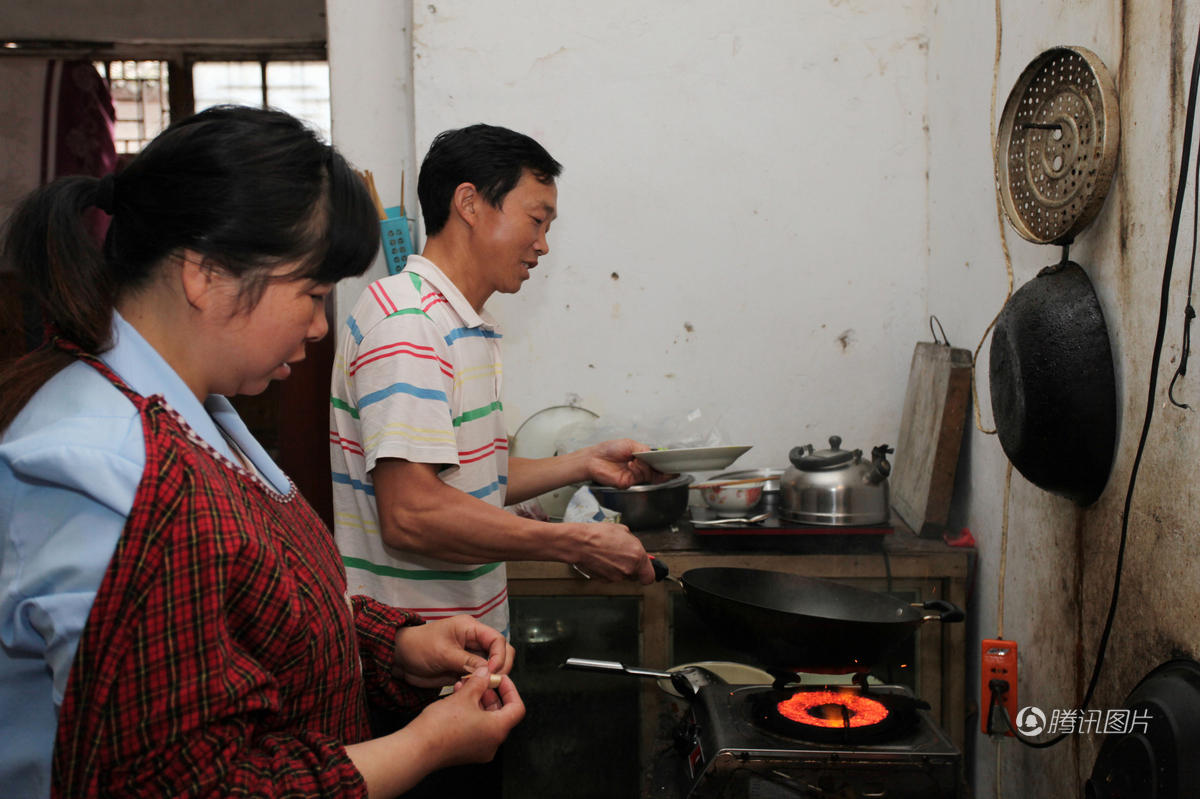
point(78, 118)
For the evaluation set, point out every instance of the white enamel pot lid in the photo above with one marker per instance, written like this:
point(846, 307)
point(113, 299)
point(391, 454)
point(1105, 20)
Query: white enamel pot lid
point(538, 435)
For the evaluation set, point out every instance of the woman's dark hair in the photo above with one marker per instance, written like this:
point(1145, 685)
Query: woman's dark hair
point(489, 157)
point(248, 189)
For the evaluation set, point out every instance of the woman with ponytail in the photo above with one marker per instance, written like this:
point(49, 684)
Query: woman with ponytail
point(174, 619)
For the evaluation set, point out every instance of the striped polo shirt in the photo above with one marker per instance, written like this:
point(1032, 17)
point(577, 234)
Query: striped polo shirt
point(417, 376)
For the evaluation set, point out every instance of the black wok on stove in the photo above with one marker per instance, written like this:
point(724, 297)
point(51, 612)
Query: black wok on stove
point(791, 621)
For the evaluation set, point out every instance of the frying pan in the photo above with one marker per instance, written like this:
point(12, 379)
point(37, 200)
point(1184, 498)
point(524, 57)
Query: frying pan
point(803, 622)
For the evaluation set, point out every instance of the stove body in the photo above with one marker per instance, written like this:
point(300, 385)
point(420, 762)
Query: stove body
point(722, 752)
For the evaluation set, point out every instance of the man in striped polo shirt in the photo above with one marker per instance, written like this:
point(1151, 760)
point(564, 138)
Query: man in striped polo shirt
point(418, 445)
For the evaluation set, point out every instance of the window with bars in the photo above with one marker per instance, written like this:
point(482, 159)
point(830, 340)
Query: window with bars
point(299, 87)
point(144, 98)
point(140, 96)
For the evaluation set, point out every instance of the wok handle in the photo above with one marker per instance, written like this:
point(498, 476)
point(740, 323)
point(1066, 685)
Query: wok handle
point(947, 611)
point(661, 572)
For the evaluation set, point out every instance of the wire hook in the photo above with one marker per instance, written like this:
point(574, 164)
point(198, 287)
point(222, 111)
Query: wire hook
point(945, 340)
point(1189, 313)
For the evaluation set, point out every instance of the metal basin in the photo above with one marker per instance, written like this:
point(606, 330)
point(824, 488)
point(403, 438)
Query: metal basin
point(645, 507)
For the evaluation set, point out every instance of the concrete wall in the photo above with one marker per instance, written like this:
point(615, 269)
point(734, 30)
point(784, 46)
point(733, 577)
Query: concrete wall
point(371, 99)
point(1060, 559)
point(742, 224)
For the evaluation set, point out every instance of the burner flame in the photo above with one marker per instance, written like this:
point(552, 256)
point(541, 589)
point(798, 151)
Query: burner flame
point(833, 709)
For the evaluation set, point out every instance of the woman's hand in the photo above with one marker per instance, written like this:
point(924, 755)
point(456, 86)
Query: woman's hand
point(441, 652)
point(465, 727)
point(470, 724)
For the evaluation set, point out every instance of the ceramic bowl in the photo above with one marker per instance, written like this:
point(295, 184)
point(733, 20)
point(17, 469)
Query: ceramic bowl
point(732, 501)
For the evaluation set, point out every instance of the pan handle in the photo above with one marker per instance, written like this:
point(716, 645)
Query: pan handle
point(661, 572)
point(613, 667)
point(947, 611)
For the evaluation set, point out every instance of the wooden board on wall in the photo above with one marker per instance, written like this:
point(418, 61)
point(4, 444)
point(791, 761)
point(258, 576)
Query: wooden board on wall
point(931, 427)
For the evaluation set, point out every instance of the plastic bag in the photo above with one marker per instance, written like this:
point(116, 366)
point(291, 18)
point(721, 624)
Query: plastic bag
point(684, 429)
point(583, 507)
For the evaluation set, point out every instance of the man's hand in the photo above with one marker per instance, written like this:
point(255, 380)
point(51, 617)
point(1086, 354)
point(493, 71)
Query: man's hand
point(610, 552)
point(611, 463)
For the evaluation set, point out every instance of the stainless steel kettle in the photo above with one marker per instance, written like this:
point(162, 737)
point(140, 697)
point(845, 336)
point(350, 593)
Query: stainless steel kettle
point(835, 486)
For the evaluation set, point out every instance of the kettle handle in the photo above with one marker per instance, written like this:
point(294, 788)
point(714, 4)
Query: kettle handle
point(797, 455)
point(881, 468)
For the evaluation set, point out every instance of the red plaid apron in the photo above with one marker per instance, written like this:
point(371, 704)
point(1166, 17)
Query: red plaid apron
point(220, 657)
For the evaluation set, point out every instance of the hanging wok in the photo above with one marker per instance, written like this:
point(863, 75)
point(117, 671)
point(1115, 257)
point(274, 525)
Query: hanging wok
point(1053, 388)
point(790, 621)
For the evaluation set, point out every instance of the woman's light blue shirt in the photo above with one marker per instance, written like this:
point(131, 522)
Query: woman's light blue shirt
point(70, 464)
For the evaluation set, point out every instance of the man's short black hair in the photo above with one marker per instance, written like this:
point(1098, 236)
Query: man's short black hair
point(490, 158)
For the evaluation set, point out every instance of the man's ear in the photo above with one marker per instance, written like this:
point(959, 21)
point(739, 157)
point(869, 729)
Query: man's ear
point(465, 203)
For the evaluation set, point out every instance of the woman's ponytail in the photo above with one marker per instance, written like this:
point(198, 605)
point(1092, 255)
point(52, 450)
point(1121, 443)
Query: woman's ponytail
point(49, 244)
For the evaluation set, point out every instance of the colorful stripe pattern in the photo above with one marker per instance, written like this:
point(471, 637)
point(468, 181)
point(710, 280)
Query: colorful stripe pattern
point(417, 376)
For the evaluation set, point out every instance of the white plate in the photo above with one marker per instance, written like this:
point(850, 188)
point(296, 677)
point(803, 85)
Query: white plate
point(695, 459)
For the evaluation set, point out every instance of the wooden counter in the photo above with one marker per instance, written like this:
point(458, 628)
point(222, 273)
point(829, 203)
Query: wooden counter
point(901, 562)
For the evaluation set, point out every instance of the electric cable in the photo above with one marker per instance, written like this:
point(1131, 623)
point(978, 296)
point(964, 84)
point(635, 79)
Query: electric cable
point(1189, 312)
point(1003, 235)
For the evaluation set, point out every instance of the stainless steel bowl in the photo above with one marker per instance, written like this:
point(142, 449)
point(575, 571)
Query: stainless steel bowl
point(645, 507)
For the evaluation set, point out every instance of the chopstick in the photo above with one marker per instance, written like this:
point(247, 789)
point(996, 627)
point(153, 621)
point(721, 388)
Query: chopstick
point(369, 179)
point(743, 481)
point(493, 680)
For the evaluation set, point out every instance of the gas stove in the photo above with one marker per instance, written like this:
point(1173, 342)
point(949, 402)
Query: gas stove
point(733, 742)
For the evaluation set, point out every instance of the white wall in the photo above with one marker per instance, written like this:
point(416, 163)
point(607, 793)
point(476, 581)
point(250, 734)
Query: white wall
point(371, 102)
point(742, 221)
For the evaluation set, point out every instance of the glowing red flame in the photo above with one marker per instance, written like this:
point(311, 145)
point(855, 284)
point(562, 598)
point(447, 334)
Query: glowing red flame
point(833, 709)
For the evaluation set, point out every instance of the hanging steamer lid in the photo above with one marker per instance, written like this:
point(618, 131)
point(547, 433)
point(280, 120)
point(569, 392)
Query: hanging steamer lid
point(1053, 387)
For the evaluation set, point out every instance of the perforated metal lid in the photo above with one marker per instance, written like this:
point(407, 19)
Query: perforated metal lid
point(1056, 149)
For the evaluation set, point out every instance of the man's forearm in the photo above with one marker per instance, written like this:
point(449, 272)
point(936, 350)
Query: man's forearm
point(529, 477)
point(421, 514)
point(471, 531)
